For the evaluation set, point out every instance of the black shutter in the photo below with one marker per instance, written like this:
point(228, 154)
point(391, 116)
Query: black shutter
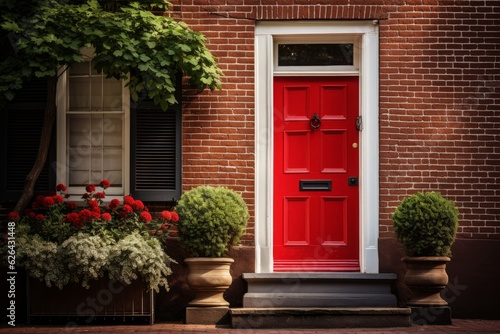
point(155, 151)
point(22, 122)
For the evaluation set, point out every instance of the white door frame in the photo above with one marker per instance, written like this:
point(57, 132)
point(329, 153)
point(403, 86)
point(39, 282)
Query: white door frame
point(366, 32)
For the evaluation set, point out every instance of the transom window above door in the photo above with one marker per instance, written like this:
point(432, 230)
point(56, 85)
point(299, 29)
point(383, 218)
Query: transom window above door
point(293, 55)
point(315, 54)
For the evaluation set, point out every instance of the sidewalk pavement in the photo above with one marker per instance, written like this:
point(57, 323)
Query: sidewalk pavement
point(458, 326)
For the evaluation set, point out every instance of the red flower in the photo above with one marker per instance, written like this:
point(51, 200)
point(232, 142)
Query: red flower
point(113, 205)
point(96, 215)
point(86, 195)
point(39, 199)
point(85, 215)
point(58, 199)
point(71, 205)
point(175, 217)
point(106, 217)
point(126, 210)
point(128, 200)
point(90, 188)
point(61, 187)
point(145, 217)
point(105, 184)
point(167, 215)
point(99, 195)
point(74, 219)
point(93, 203)
point(48, 202)
point(40, 217)
point(13, 216)
point(96, 209)
point(138, 205)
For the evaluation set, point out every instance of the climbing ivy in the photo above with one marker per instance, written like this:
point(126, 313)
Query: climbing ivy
point(131, 42)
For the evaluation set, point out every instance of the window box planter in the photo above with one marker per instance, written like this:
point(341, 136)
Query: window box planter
point(105, 301)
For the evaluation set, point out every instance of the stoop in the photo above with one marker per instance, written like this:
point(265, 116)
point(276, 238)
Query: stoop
point(319, 300)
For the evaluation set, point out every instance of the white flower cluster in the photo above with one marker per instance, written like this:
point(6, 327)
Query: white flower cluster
point(83, 258)
point(134, 256)
point(42, 260)
point(86, 257)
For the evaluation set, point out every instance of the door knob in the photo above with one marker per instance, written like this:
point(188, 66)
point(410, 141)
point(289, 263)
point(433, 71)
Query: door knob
point(315, 122)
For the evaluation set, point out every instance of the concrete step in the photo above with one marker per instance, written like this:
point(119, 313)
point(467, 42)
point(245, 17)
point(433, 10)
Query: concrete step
point(292, 290)
point(246, 318)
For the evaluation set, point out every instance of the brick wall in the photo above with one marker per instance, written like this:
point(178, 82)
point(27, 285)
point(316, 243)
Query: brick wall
point(440, 110)
point(439, 99)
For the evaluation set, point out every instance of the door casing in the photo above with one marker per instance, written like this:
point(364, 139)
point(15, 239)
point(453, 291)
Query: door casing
point(365, 33)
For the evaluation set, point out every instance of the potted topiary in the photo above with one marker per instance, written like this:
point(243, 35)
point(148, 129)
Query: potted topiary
point(211, 220)
point(426, 224)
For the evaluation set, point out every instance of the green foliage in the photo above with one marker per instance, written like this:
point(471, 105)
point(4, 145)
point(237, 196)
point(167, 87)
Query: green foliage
point(211, 219)
point(131, 43)
point(426, 224)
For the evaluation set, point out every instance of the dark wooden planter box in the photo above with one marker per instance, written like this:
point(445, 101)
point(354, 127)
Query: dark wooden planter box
point(104, 302)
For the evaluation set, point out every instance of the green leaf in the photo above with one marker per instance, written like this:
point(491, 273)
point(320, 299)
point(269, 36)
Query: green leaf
point(11, 26)
point(9, 95)
point(145, 58)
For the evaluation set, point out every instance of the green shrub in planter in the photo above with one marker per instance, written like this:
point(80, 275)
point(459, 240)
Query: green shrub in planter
point(211, 219)
point(426, 224)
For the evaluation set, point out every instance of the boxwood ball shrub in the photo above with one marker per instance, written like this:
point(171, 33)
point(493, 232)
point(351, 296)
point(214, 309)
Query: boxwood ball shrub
point(211, 220)
point(426, 224)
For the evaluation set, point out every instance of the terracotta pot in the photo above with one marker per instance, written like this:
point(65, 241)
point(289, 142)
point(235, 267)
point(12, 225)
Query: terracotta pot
point(209, 278)
point(426, 277)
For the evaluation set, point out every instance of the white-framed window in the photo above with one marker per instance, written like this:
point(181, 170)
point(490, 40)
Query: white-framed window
point(92, 131)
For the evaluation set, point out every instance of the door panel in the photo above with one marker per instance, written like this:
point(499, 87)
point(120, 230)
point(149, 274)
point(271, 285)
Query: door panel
point(333, 153)
point(296, 152)
point(316, 212)
point(296, 211)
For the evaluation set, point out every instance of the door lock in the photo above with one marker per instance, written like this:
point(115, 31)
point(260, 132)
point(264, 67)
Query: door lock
point(352, 181)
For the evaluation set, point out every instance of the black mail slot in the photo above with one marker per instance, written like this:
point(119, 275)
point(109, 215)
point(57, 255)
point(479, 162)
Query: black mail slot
point(312, 185)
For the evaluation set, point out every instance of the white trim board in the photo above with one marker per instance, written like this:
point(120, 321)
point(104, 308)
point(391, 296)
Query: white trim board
point(365, 34)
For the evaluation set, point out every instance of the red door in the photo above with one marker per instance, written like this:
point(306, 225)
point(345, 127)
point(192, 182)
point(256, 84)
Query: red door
point(316, 164)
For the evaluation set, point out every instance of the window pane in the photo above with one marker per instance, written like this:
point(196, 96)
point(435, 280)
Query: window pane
point(79, 166)
point(112, 166)
point(79, 94)
point(112, 98)
point(315, 54)
point(96, 93)
point(112, 130)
